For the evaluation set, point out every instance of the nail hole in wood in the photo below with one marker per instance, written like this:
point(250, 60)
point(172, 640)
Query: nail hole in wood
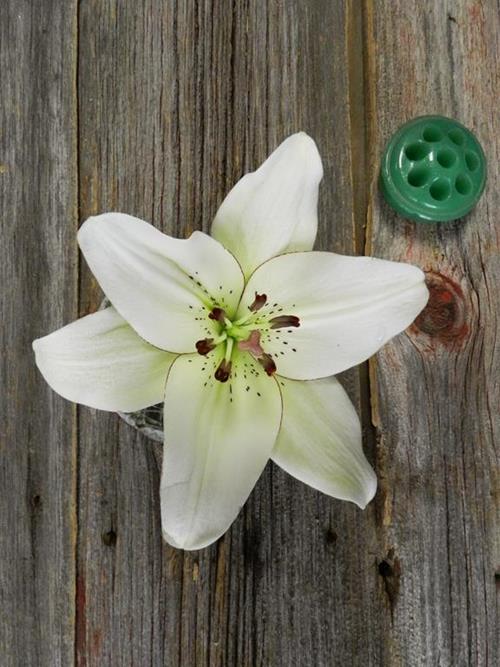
point(109, 538)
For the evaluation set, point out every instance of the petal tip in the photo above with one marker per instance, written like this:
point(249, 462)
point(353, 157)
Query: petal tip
point(305, 143)
point(185, 544)
point(368, 491)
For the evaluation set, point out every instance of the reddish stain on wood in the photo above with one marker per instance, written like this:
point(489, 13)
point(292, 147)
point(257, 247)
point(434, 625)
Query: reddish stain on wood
point(444, 317)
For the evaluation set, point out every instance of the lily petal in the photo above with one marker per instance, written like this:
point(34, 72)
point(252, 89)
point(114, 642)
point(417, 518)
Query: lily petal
point(348, 307)
point(274, 209)
point(100, 361)
point(217, 443)
point(163, 287)
point(320, 440)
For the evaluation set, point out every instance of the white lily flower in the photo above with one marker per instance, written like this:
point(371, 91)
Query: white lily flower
point(239, 333)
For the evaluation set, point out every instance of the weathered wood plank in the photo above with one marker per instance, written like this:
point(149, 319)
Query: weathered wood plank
point(177, 101)
point(38, 278)
point(436, 391)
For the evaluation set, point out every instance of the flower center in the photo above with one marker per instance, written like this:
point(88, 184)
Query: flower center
point(246, 334)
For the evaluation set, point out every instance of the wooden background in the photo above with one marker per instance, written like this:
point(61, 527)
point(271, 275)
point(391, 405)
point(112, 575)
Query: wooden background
point(156, 108)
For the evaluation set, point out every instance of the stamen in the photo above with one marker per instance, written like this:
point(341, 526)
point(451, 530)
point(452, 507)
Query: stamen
point(284, 321)
point(217, 314)
point(267, 362)
point(229, 349)
point(205, 346)
point(224, 371)
point(252, 344)
point(259, 301)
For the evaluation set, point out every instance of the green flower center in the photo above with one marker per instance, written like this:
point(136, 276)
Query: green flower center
point(245, 333)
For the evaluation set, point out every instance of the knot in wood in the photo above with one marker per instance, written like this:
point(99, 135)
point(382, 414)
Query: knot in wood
point(444, 316)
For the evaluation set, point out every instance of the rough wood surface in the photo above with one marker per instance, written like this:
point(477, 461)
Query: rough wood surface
point(38, 273)
point(156, 109)
point(436, 390)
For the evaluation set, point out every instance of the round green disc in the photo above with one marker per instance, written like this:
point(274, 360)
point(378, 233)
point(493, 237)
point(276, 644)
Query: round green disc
point(433, 170)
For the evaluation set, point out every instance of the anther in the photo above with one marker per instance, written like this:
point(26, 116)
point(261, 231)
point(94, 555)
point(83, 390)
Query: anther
point(284, 321)
point(267, 362)
point(224, 371)
point(259, 301)
point(217, 314)
point(205, 346)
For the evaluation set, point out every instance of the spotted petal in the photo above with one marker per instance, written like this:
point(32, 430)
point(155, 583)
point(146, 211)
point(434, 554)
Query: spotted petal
point(274, 209)
point(162, 286)
point(320, 440)
point(218, 438)
point(348, 308)
point(100, 361)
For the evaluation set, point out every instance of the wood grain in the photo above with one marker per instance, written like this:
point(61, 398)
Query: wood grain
point(436, 390)
point(156, 109)
point(38, 263)
point(190, 97)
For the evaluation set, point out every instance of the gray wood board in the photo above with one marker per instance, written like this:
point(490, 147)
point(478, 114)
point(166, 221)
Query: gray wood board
point(436, 390)
point(156, 109)
point(38, 273)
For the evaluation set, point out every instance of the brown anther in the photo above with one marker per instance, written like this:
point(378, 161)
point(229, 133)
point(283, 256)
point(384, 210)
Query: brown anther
point(217, 314)
point(259, 301)
point(205, 346)
point(252, 344)
point(267, 362)
point(224, 371)
point(284, 321)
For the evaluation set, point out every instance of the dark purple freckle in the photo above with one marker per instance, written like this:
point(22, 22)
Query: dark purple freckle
point(230, 399)
point(285, 342)
point(258, 393)
point(191, 307)
point(247, 389)
point(198, 283)
point(190, 361)
point(230, 388)
point(190, 277)
point(282, 384)
point(282, 353)
point(293, 349)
